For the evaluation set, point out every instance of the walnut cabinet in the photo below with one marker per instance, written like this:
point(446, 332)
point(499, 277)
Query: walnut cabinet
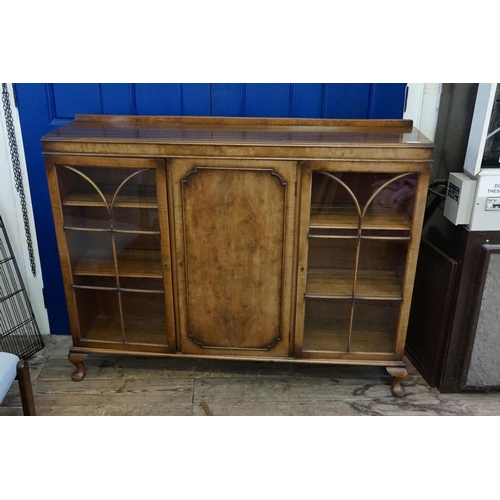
point(290, 240)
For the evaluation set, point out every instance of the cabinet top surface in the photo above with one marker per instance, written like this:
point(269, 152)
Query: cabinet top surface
point(243, 131)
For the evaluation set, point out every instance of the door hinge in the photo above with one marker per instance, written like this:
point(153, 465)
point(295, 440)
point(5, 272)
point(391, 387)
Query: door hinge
point(407, 91)
point(44, 298)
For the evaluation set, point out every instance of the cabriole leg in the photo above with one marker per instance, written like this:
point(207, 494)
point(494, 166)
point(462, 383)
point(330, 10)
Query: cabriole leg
point(77, 359)
point(398, 373)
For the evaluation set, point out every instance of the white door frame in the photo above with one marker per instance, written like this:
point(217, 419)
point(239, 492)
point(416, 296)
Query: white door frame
point(422, 106)
point(11, 212)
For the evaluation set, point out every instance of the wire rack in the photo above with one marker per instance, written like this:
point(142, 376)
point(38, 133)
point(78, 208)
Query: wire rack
point(19, 332)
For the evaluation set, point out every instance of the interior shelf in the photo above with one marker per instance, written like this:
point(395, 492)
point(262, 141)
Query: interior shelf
point(131, 263)
point(374, 284)
point(342, 217)
point(138, 330)
point(128, 197)
point(327, 335)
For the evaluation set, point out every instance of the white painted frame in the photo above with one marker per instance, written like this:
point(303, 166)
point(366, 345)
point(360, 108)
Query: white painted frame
point(414, 101)
point(422, 106)
point(11, 212)
point(479, 128)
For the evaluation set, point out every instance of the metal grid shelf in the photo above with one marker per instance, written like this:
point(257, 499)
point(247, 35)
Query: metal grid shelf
point(19, 332)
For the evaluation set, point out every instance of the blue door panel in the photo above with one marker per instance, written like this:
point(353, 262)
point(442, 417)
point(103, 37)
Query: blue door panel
point(267, 99)
point(227, 99)
point(34, 101)
point(196, 99)
point(342, 100)
point(72, 98)
point(44, 107)
point(388, 100)
point(158, 98)
point(118, 99)
point(307, 100)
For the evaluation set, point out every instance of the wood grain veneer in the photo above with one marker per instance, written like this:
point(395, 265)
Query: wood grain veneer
point(259, 252)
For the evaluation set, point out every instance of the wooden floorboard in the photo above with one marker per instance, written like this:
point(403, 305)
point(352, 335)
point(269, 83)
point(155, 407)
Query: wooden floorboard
point(134, 385)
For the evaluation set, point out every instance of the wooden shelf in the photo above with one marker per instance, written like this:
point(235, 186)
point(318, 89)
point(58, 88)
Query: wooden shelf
point(84, 196)
point(131, 264)
point(138, 330)
point(332, 335)
point(341, 217)
point(327, 283)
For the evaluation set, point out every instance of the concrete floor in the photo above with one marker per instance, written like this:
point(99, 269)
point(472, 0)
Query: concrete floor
point(130, 385)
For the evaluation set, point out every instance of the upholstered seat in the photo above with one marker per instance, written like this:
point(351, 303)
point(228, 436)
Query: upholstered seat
point(12, 368)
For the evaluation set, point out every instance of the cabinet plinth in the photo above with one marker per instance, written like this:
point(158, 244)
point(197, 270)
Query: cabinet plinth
point(291, 240)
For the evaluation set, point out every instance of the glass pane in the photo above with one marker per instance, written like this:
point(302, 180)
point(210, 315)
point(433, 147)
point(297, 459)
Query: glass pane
point(138, 255)
point(123, 219)
point(99, 315)
point(139, 189)
point(326, 325)
point(91, 253)
point(95, 281)
point(144, 318)
point(152, 284)
point(331, 204)
point(358, 243)
point(339, 198)
point(136, 219)
point(107, 187)
point(135, 206)
point(327, 232)
point(77, 186)
point(86, 217)
point(381, 268)
point(92, 196)
point(330, 270)
point(392, 206)
point(375, 326)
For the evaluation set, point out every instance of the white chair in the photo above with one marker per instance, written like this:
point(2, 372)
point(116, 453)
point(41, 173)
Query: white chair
point(12, 368)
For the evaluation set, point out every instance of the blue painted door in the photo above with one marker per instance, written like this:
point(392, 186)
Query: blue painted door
point(44, 107)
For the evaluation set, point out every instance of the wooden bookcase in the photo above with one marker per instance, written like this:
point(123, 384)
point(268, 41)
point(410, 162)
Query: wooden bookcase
point(290, 240)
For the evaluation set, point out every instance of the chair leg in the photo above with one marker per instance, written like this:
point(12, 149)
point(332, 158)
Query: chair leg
point(24, 379)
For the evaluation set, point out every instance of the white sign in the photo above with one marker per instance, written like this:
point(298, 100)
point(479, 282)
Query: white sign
point(489, 187)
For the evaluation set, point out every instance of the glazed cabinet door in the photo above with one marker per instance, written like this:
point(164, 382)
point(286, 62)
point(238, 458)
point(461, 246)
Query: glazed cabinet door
point(359, 237)
point(112, 229)
point(234, 231)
